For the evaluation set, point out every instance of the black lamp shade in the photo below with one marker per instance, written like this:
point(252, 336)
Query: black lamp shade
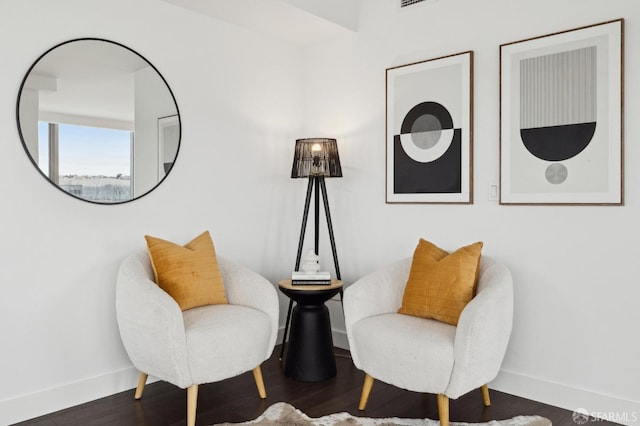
point(316, 157)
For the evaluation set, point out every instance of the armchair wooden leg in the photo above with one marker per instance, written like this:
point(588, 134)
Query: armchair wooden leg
point(485, 395)
point(192, 403)
point(142, 380)
point(257, 375)
point(443, 409)
point(366, 390)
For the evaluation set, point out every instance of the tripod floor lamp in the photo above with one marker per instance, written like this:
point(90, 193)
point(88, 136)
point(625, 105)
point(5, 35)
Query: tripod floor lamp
point(315, 159)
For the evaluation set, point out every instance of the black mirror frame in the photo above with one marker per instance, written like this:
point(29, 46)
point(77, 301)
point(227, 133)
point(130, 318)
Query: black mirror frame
point(37, 166)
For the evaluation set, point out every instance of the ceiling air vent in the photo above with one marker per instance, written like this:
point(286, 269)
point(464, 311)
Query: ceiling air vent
point(407, 3)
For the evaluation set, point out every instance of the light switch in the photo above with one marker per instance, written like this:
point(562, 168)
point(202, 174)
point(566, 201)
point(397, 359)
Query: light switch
point(493, 191)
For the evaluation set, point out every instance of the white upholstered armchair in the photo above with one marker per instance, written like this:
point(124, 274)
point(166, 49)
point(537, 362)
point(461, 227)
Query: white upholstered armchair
point(425, 355)
point(200, 345)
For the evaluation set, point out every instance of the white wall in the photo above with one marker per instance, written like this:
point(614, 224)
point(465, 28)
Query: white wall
point(575, 341)
point(239, 96)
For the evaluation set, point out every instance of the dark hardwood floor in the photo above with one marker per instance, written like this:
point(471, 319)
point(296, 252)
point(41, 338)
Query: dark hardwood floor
point(236, 400)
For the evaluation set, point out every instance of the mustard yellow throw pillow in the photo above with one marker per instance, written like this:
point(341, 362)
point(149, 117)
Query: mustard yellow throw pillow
point(189, 273)
point(441, 284)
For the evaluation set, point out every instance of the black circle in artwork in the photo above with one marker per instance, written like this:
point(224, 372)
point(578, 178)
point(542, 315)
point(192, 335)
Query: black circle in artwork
point(558, 143)
point(442, 117)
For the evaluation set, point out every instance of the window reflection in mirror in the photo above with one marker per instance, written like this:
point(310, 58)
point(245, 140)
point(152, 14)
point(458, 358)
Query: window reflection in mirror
point(98, 121)
point(93, 163)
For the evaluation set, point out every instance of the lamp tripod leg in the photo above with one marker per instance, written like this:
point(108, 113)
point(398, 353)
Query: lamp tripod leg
point(305, 216)
point(332, 239)
point(286, 329)
point(327, 213)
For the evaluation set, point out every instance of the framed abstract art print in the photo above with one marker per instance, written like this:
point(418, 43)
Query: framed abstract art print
point(561, 102)
point(429, 131)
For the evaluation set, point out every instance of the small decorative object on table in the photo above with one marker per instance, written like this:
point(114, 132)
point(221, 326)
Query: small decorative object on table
point(310, 262)
point(310, 274)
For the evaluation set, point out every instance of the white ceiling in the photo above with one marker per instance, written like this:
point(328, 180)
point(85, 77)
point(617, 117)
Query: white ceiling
point(299, 22)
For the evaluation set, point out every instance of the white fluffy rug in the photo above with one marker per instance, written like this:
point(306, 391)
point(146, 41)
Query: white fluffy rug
point(283, 414)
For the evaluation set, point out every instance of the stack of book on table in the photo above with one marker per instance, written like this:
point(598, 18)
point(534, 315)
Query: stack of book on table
point(316, 278)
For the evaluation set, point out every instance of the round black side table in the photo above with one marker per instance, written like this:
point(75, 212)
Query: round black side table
point(310, 354)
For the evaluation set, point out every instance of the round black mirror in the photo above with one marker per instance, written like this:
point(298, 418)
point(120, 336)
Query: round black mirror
point(98, 121)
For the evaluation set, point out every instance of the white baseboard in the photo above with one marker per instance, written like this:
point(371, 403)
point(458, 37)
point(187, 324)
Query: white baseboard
point(340, 339)
point(597, 405)
point(49, 400)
